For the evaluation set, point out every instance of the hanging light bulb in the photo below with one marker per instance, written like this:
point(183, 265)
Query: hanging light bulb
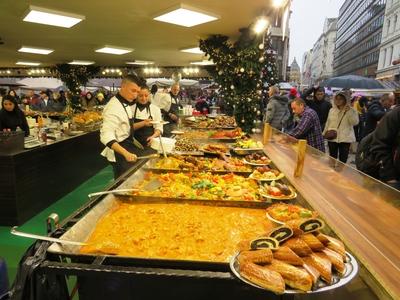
point(261, 25)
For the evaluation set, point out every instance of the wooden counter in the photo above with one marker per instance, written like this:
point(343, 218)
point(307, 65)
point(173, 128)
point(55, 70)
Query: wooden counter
point(363, 212)
point(31, 180)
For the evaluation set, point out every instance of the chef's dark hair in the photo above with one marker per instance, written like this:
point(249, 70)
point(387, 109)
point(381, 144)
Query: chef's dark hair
point(134, 78)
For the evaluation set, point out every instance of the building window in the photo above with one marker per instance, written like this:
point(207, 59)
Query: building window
point(390, 56)
point(388, 27)
point(384, 58)
point(395, 23)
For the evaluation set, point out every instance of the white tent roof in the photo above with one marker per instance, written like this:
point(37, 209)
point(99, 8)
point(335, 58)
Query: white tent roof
point(42, 83)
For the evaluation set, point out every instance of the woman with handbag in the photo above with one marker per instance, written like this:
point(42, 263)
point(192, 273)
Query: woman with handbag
point(339, 127)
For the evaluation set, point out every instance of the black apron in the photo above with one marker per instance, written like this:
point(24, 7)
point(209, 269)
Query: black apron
point(121, 164)
point(142, 134)
point(172, 125)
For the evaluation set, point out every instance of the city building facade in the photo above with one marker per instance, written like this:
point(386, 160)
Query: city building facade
point(323, 53)
point(306, 69)
point(359, 33)
point(389, 55)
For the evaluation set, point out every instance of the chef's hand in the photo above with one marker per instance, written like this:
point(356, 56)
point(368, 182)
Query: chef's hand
point(147, 123)
point(130, 157)
point(173, 117)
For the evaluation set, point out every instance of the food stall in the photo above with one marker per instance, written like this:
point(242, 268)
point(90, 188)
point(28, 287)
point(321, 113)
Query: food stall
point(189, 226)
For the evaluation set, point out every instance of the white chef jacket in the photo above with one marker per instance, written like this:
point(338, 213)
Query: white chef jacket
point(144, 115)
point(115, 125)
point(163, 101)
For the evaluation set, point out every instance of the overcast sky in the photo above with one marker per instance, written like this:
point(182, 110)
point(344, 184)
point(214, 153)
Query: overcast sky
point(306, 24)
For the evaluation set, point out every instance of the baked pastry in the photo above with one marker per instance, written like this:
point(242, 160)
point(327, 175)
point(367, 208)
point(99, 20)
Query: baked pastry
point(287, 255)
point(294, 277)
point(336, 260)
point(263, 277)
point(315, 275)
point(322, 263)
point(298, 246)
point(261, 257)
point(312, 242)
point(322, 238)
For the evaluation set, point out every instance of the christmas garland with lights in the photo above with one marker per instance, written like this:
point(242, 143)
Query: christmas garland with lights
point(241, 72)
point(74, 77)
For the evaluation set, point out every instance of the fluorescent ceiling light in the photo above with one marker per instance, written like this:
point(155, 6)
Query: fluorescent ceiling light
point(81, 62)
point(114, 50)
point(184, 15)
point(52, 17)
point(35, 50)
point(195, 50)
point(203, 63)
point(27, 63)
point(140, 62)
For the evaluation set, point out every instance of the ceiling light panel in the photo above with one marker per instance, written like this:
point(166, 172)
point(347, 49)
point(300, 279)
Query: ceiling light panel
point(114, 50)
point(195, 50)
point(81, 62)
point(35, 50)
point(52, 17)
point(186, 16)
point(27, 63)
point(203, 63)
point(140, 62)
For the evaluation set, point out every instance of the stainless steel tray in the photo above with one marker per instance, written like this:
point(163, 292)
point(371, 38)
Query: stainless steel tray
point(337, 281)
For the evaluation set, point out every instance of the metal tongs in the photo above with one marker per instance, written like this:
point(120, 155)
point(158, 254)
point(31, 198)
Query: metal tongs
point(14, 231)
point(162, 147)
point(155, 155)
point(120, 192)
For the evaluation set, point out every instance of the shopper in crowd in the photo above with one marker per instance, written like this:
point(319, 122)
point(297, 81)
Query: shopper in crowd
point(376, 110)
point(13, 94)
point(339, 128)
point(202, 105)
point(145, 115)
point(169, 105)
point(360, 105)
point(318, 103)
point(379, 152)
point(88, 101)
point(58, 102)
point(31, 99)
point(293, 94)
point(277, 112)
point(45, 103)
point(11, 117)
point(308, 127)
point(100, 99)
point(117, 129)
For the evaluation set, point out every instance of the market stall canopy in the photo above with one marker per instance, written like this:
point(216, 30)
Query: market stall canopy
point(120, 23)
point(10, 82)
point(42, 83)
point(353, 82)
point(164, 82)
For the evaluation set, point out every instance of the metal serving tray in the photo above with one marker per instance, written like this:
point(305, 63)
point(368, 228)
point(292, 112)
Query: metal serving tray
point(85, 226)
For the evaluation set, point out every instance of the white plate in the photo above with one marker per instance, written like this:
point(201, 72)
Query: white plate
point(292, 196)
point(255, 164)
point(159, 122)
point(281, 175)
point(274, 220)
point(177, 132)
point(351, 271)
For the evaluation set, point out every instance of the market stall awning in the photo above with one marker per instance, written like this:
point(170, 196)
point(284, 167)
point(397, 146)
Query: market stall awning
point(42, 83)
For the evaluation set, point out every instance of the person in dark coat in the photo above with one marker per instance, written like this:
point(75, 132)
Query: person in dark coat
point(11, 116)
point(384, 148)
point(319, 103)
point(376, 110)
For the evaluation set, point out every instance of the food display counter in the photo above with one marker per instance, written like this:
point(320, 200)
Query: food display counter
point(134, 251)
point(31, 180)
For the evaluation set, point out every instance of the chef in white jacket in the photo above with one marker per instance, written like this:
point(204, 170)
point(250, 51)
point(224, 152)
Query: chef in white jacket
point(169, 105)
point(117, 129)
point(147, 121)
